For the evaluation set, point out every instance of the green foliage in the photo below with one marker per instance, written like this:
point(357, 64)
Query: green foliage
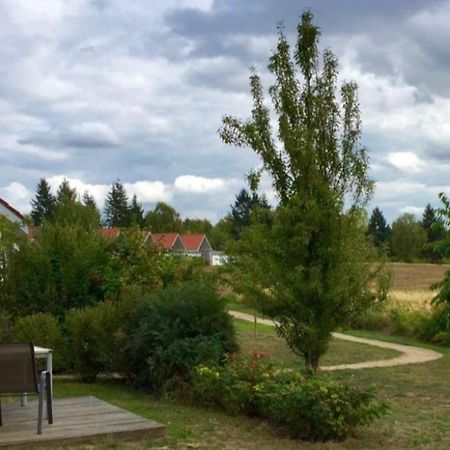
point(132, 263)
point(378, 229)
point(5, 326)
point(117, 211)
point(407, 238)
point(42, 330)
point(96, 338)
point(309, 270)
point(61, 270)
point(242, 211)
point(396, 320)
point(314, 408)
point(43, 204)
point(136, 212)
point(173, 331)
point(163, 219)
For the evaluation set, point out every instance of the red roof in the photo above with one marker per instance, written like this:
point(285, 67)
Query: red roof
point(192, 242)
point(10, 208)
point(110, 232)
point(165, 240)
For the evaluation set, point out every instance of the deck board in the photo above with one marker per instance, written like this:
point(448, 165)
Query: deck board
point(77, 419)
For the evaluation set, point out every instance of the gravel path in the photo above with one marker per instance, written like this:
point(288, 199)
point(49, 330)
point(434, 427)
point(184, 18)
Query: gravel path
point(409, 353)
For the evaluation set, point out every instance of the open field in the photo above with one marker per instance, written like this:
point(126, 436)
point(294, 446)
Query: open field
point(416, 277)
point(420, 416)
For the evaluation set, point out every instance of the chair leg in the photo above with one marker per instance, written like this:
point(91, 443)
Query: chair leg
point(1, 420)
point(41, 403)
point(49, 398)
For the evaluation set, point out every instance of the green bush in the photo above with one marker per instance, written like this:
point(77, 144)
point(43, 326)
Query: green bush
point(308, 407)
point(96, 338)
point(396, 320)
point(5, 326)
point(43, 330)
point(173, 331)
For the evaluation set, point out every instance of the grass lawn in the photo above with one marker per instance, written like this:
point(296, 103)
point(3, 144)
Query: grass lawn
point(419, 397)
point(340, 352)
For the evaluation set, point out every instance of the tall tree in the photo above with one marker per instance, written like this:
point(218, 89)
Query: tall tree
point(310, 270)
point(136, 212)
point(245, 205)
point(163, 219)
point(378, 228)
point(117, 211)
point(89, 201)
point(407, 238)
point(432, 224)
point(43, 204)
point(65, 193)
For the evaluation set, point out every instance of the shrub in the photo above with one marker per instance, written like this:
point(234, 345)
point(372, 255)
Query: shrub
point(173, 331)
point(309, 407)
point(43, 330)
point(5, 326)
point(96, 338)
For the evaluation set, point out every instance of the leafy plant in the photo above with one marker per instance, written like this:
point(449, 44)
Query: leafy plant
point(314, 408)
point(173, 331)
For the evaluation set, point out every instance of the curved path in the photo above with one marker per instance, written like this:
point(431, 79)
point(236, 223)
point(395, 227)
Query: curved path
point(409, 353)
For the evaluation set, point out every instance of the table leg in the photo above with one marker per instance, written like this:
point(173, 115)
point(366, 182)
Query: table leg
point(50, 369)
point(23, 400)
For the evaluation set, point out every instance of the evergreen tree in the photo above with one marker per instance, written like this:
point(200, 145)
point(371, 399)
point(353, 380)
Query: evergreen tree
point(378, 228)
point(65, 193)
point(89, 201)
point(432, 224)
point(242, 210)
point(117, 211)
point(136, 212)
point(44, 203)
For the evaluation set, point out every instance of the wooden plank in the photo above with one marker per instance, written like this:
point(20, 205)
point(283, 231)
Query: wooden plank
point(79, 419)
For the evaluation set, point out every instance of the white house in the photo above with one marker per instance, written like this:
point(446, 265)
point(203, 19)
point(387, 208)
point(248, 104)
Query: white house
point(12, 214)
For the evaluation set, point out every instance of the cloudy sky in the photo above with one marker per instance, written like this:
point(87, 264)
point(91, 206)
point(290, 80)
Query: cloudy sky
point(95, 90)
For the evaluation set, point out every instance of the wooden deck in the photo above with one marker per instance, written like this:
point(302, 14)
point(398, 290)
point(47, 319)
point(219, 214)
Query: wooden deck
point(80, 419)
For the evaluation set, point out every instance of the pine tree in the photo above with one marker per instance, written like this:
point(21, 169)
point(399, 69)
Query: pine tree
point(89, 201)
point(43, 205)
point(117, 211)
point(243, 208)
point(432, 224)
point(65, 193)
point(378, 228)
point(136, 212)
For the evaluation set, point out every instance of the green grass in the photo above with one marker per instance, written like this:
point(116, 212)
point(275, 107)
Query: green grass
point(339, 352)
point(418, 394)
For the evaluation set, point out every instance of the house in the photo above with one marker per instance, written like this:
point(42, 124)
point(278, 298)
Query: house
point(110, 233)
point(197, 245)
point(169, 241)
point(12, 214)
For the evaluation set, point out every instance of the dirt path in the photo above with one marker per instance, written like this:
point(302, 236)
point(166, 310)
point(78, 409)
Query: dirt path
point(409, 353)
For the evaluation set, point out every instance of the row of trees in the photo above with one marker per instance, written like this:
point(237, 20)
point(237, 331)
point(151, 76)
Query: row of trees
point(408, 239)
point(67, 206)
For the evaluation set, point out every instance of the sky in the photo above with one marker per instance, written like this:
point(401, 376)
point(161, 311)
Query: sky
point(99, 90)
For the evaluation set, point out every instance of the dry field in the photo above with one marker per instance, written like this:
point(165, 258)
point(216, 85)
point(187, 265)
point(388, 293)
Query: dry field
point(411, 282)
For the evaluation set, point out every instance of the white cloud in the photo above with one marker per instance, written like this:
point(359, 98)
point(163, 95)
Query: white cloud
point(416, 210)
point(199, 185)
point(406, 161)
point(17, 195)
point(149, 191)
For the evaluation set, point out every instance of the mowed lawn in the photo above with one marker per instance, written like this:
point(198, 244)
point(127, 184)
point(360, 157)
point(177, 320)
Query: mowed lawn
point(419, 397)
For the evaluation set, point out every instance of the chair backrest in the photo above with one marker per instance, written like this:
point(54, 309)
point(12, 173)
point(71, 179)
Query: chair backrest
point(17, 369)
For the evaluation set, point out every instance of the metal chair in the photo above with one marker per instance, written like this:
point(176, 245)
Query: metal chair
point(18, 375)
